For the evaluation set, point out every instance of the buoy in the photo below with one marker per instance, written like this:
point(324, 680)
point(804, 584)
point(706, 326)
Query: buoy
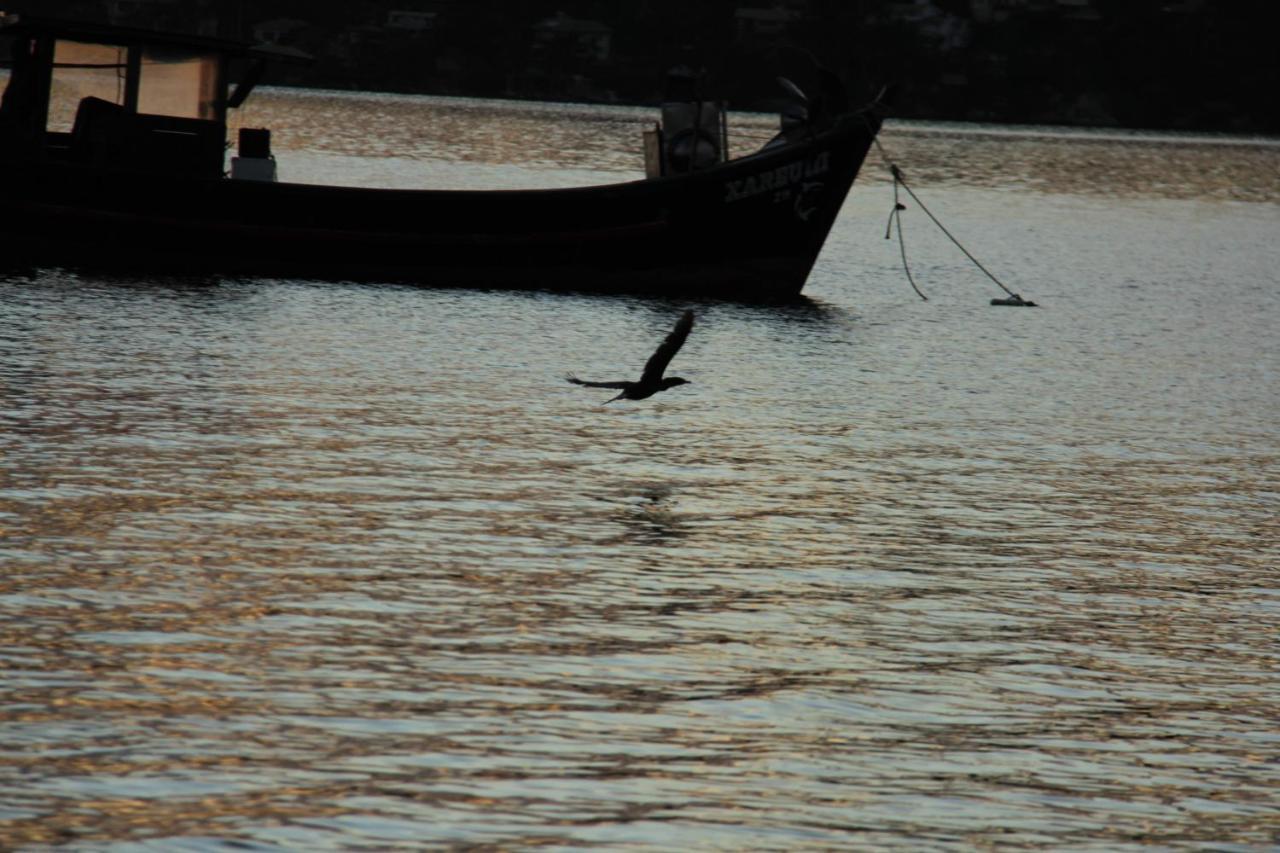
point(1014, 299)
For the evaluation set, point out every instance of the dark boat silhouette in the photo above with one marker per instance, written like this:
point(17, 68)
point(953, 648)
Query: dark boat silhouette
point(138, 183)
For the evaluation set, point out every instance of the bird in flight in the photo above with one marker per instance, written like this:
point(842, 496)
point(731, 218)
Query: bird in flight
point(651, 381)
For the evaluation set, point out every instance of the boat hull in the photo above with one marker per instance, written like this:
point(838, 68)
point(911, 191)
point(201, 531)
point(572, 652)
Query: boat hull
point(749, 228)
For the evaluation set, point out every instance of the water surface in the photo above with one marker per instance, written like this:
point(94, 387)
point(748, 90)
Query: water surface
point(305, 565)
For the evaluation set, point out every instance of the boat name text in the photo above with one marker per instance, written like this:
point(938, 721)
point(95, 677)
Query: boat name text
point(783, 177)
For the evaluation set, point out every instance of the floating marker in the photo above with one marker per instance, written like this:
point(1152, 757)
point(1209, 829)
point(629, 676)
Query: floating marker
point(1014, 299)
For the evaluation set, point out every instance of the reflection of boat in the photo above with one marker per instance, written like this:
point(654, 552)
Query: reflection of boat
point(112, 152)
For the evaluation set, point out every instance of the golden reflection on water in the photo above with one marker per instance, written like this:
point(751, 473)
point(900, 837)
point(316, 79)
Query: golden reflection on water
point(492, 132)
point(1117, 164)
point(881, 629)
point(314, 565)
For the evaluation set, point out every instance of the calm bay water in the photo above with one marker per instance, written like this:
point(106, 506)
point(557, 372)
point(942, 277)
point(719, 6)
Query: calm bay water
point(305, 565)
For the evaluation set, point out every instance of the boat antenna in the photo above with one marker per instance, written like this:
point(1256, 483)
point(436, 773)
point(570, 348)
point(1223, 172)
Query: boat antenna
point(895, 216)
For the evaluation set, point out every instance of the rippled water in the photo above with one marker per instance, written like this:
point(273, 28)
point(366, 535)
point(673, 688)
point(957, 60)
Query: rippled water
point(308, 565)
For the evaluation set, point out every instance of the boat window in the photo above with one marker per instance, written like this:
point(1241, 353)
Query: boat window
point(178, 83)
point(81, 71)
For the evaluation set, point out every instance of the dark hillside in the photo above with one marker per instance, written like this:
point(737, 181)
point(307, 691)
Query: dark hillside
point(1166, 64)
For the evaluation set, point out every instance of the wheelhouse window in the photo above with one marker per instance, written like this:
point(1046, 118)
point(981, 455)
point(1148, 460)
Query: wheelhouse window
point(81, 71)
point(179, 83)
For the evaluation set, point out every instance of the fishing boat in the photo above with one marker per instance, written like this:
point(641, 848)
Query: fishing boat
point(114, 152)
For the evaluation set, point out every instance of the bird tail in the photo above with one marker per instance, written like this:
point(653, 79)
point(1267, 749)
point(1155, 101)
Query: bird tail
point(619, 397)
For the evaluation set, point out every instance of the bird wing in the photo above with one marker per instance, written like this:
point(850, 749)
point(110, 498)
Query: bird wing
point(576, 381)
point(657, 363)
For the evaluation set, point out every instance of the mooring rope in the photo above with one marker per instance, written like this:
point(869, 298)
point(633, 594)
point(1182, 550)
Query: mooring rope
point(896, 214)
point(895, 218)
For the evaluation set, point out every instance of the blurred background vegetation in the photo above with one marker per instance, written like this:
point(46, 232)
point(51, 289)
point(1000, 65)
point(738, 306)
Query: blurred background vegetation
point(1162, 64)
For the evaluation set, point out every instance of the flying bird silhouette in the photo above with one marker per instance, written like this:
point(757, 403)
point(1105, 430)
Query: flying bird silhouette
point(652, 380)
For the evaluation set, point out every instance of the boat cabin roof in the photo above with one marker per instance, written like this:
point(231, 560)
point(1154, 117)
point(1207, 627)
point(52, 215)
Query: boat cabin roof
point(108, 34)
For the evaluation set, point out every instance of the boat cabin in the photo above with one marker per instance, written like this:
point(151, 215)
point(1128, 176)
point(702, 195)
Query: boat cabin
point(114, 97)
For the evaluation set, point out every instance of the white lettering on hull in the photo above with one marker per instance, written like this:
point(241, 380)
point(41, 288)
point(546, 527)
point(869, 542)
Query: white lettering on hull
point(781, 180)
